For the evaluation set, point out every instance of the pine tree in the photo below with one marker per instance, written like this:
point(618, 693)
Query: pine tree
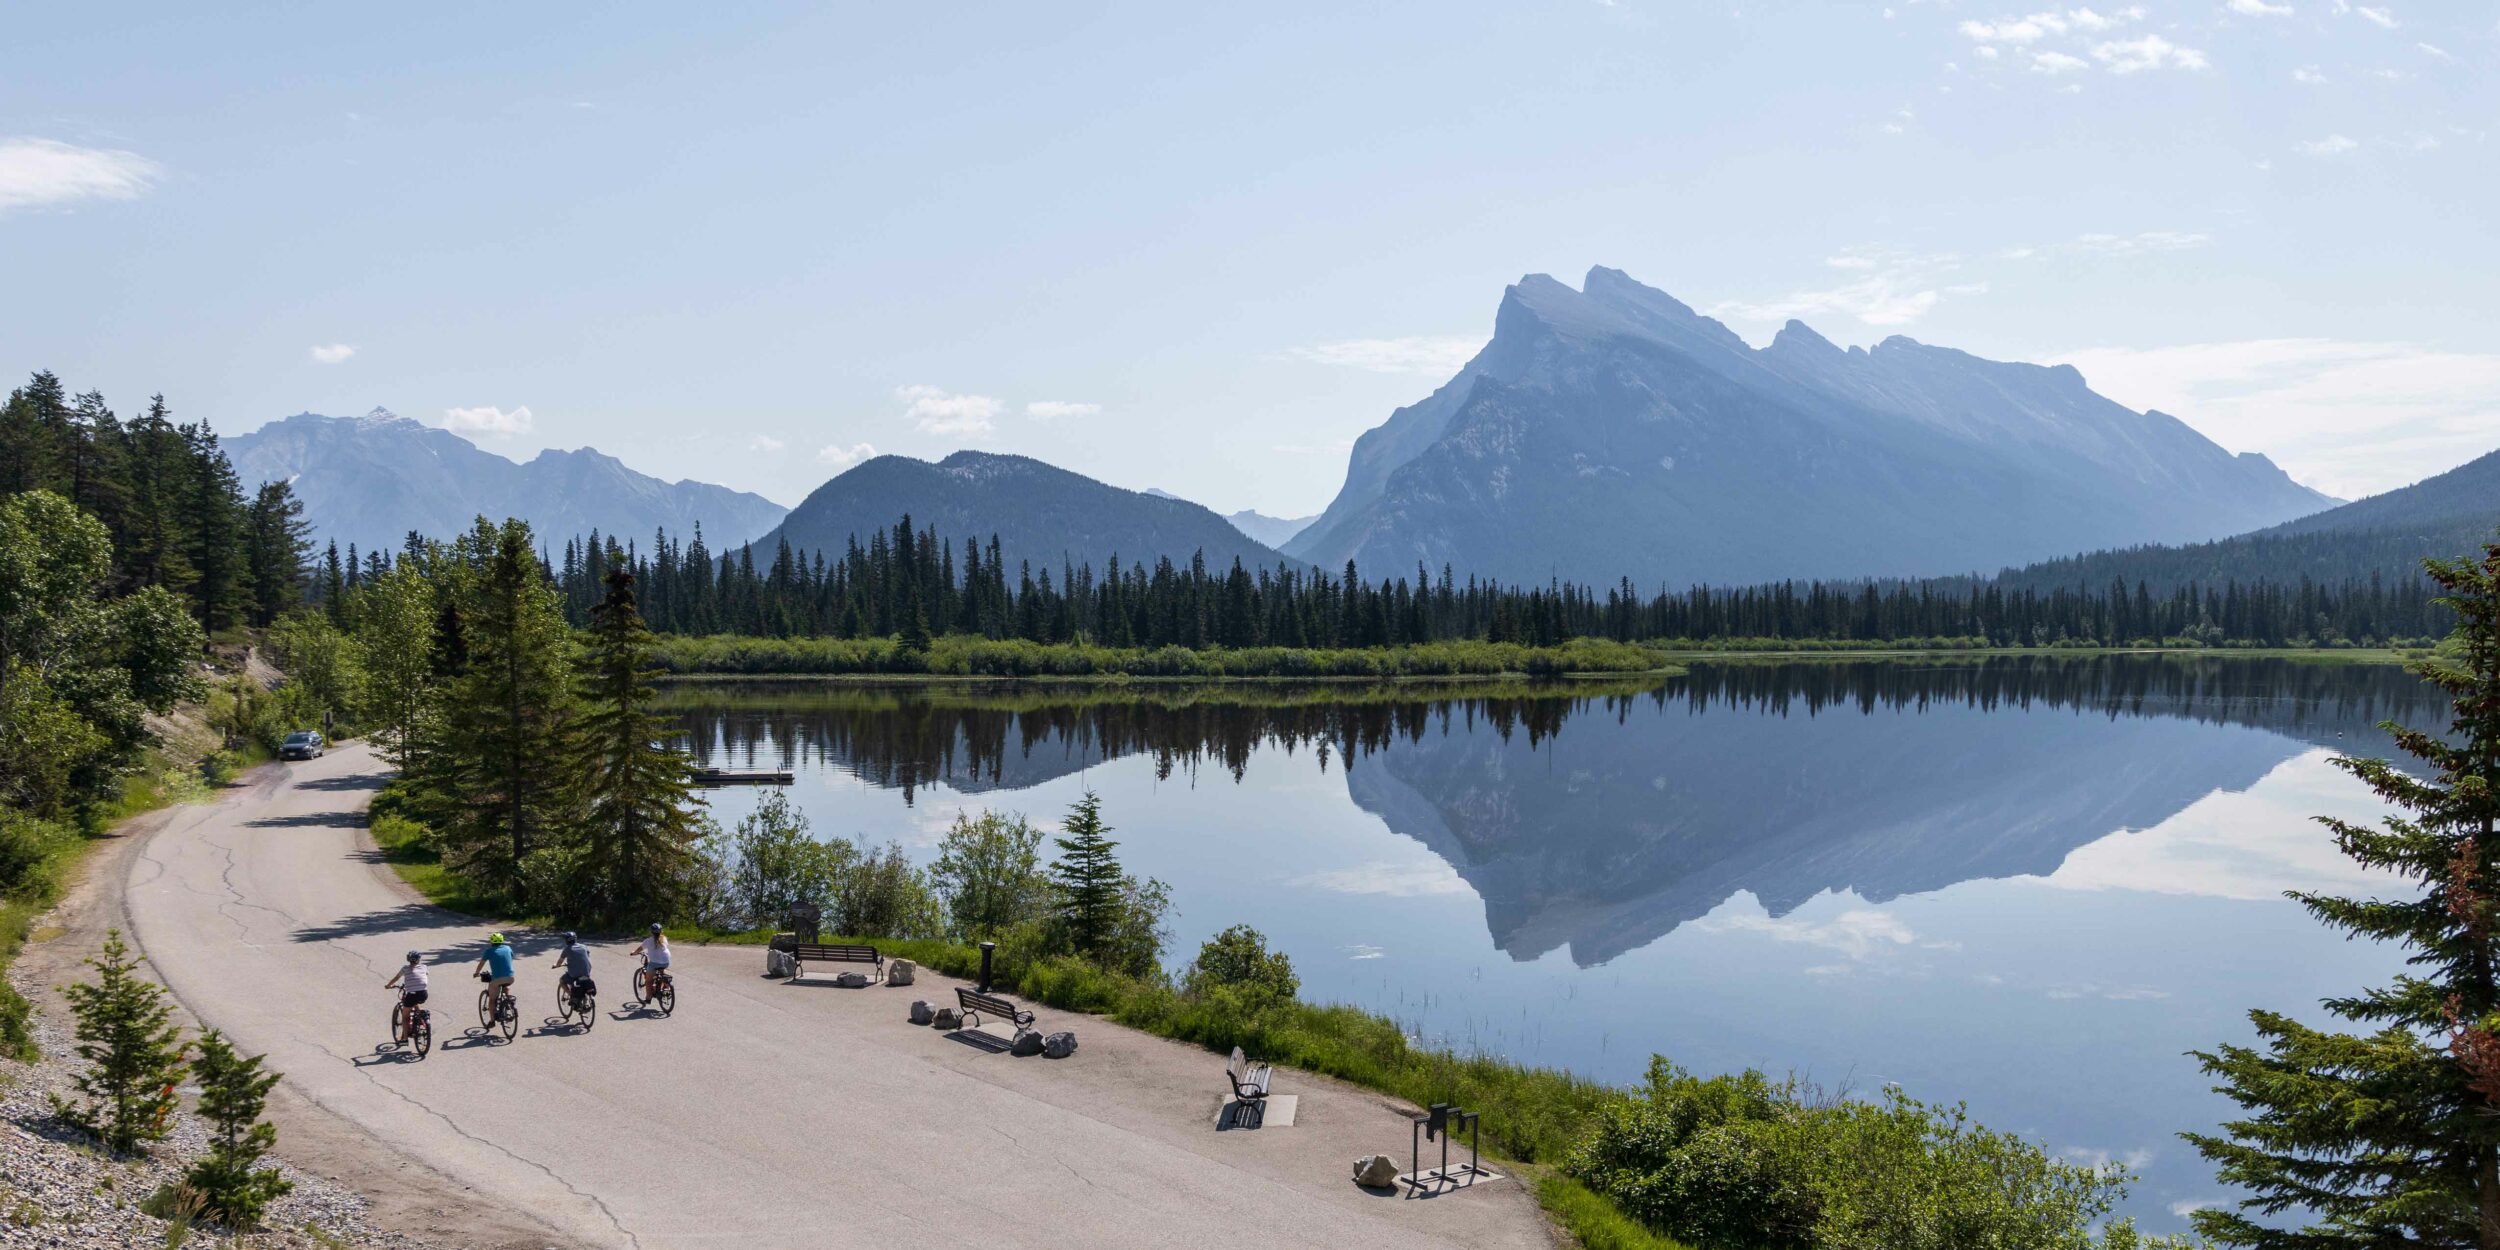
point(636, 796)
point(275, 550)
point(133, 1052)
point(233, 1189)
point(504, 728)
point(1092, 889)
point(2392, 1138)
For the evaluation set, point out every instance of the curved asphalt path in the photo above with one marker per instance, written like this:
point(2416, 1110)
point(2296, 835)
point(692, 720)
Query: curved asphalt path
point(763, 1114)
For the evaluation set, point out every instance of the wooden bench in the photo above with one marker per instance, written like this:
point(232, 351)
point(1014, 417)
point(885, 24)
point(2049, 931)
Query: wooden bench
point(816, 952)
point(976, 1004)
point(1249, 1081)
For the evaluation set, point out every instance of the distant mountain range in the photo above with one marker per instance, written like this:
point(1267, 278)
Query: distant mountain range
point(2385, 536)
point(370, 480)
point(1040, 513)
point(1270, 531)
point(1612, 431)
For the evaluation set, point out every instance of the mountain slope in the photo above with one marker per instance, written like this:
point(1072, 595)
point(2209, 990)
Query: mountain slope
point(1039, 512)
point(1613, 431)
point(370, 480)
point(1273, 531)
point(2385, 536)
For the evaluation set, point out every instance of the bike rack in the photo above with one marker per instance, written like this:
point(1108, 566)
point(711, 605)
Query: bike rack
point(1445, 1121)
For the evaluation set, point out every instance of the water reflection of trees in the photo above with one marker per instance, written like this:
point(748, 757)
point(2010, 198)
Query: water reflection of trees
point(1012, 737)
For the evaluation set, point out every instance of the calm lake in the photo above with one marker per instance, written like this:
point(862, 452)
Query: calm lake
point(2029, 884)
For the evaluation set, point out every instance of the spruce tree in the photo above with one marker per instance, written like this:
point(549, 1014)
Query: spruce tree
point(2392, 1138)
point(638, 822)
point(1092, 889)
point(233, 1189)
point(504, 729)
point(133, 1052)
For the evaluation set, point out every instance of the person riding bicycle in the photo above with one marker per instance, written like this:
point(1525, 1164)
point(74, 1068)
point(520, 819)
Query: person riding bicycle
point(412, 982)
point(495, 966)
point(575, 960)
point(654, 952)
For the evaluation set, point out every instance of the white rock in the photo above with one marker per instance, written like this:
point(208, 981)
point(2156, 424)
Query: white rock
point(1376, 1171)
point(899, 971)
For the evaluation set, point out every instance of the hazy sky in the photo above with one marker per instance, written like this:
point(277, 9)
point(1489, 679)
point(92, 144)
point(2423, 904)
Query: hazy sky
point(1204, 250)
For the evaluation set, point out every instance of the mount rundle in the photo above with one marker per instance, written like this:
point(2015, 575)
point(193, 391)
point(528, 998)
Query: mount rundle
point(1612, 431)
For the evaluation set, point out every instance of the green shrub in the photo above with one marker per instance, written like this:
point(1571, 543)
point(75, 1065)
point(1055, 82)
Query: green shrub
point(232, 1186)
point(133, 1053)
point(1238, 960)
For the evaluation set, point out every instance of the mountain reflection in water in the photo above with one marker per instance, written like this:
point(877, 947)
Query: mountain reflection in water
point(1600, 818)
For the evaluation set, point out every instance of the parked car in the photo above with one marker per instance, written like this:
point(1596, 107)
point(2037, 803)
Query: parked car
point(303, 744)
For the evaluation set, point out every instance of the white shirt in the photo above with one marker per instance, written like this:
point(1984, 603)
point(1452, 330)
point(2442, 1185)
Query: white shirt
point(413, 978)
point(653, 951)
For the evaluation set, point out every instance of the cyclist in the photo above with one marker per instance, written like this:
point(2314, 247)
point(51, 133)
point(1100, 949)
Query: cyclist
point(495, 967)
point(654, 952)
point(412, 983)
point(575, 960)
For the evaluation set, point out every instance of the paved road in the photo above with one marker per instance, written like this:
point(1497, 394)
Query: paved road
point(763, 1113)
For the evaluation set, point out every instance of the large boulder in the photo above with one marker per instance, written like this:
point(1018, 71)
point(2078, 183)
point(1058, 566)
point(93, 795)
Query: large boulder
point(1027, 1042)
point(899, 971)
point(921, 1012)
point(852, 980)
point(1376, 1171)
point(1059, 1045)
point(778, 963)
point(949, 1018)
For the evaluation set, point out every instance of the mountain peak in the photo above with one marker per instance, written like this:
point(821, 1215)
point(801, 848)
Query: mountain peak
point(1799, 337)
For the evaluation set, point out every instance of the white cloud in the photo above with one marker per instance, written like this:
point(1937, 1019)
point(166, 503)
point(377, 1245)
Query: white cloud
point(2332, 145)
point(1436, 355)
point(1053, 409)
point(765, 443)
point(333, 353)
point(487, 422)
point(2308, 76)
point(2132, 244)
point(940, 412)
point(42, 173)
point(1892, 298)
point(2057, 63)
point(2258, 8)
point(1857, 933)
point(2380, 16)
point(2042, 25)
point(841, 457)
point(2350, 418)
point(2432, 49)
point(1364, 950)
point(2129, 56)
point(1422, 879)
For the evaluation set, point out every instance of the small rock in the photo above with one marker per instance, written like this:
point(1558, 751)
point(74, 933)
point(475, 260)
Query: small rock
point(899, 971)
point(777, 963)
point(1027, 1042)
point(852, 980)
point(1059, 1045)
point(949, 1018)
point(1376, 1172)
point(922, 1012)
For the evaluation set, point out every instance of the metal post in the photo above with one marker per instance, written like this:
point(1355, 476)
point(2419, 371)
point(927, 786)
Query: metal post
point(986, 949)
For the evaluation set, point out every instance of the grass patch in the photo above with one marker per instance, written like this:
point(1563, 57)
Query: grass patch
point(1591, 1220)
point(405, 849)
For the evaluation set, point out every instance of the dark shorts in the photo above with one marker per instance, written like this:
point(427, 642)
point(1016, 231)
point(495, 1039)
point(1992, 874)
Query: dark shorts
point(410, 998)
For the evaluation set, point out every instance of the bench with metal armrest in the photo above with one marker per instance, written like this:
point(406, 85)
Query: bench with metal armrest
point(802, 953)
point(976, 1004)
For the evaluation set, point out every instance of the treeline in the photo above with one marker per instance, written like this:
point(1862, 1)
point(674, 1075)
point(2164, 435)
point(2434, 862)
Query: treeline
point(913, 585)
point(167, 496)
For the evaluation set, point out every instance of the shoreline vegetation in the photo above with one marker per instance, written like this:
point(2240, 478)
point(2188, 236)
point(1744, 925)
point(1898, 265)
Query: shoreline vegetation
point(962, 658)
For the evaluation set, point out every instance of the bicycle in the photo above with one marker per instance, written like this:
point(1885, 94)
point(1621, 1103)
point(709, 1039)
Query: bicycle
point(412, 1025)
point(497, 1011)
point(655, 987)
point(577, 998)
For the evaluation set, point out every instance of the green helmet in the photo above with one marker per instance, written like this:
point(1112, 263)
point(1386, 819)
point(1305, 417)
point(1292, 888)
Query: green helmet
point(494, 939)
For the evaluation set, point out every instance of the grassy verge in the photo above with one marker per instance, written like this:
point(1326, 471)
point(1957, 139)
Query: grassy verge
point(403, 847)
point(960, 656)
point(43, 856)
point(1590, 1219)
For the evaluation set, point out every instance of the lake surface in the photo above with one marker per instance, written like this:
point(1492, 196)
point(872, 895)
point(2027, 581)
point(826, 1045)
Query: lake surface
point(2027, 883)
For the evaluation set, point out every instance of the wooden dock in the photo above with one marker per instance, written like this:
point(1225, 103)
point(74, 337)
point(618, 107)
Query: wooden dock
point(743, 777)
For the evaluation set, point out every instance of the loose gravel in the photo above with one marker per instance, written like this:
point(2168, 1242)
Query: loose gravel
point(60, 1191)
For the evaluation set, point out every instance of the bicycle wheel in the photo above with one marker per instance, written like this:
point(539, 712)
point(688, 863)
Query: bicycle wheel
point(564, 1003)
point(666, 995)
point(486, 1008)
point(590, 1011)
point(399, 1025)
point(511, 1017)
point(642, 985)
point(422, 1033)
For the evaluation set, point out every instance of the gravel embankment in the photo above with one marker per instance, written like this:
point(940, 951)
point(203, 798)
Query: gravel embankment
point(59, 1192)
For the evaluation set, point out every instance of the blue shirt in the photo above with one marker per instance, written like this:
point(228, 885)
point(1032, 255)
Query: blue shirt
point(499, 961)
point(577, 961)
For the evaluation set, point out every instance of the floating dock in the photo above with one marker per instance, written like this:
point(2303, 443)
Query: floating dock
point(743, 777)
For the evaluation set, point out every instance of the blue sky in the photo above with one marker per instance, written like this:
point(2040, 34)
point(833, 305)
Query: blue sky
point(1203, 251)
